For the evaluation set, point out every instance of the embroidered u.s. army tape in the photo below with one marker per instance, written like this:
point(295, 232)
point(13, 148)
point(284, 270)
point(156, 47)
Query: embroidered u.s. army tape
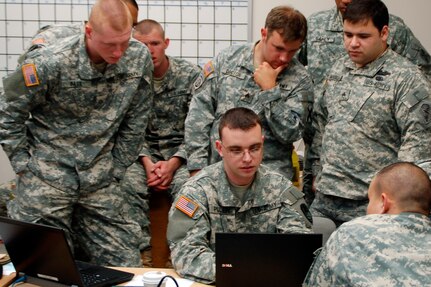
point(187, 206)
point(30, 75)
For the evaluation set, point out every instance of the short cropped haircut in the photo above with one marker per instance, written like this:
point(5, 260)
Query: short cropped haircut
point(363, 10)
point(239, 118)
point(409, 184)
point(144, 27)
point(290, 23)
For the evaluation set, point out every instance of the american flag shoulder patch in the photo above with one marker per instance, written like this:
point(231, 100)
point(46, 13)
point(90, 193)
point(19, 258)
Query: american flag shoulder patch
point(186, 205)
point(30, 75)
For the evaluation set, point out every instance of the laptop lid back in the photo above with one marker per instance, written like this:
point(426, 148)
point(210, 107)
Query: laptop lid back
point(264, 259)
point(39, 251)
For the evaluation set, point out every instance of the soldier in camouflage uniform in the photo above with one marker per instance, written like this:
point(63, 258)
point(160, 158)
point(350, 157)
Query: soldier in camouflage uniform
point(324, 46)
point(237, 194)
point(162, 162)
point(391, 246)
point(89, 98)
point(374, 110)
point(263, 77)
point(50, 34)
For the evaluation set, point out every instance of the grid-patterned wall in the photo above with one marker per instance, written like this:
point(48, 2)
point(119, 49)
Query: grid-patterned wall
point(198, 29)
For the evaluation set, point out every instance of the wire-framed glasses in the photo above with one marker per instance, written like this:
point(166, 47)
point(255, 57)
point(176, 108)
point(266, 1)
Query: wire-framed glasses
point(239, 152)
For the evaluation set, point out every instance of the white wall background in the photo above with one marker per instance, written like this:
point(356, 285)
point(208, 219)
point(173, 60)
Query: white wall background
point(414, 12)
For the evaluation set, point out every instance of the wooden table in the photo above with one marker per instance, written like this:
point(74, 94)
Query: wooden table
point(6, 280)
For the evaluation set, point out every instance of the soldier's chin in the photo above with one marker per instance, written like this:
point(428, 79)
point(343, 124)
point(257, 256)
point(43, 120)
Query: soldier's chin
point(111, 60)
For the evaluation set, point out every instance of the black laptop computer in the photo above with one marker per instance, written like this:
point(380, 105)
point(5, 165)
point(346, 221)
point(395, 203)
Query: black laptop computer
point(264, 259)
point(42, 253)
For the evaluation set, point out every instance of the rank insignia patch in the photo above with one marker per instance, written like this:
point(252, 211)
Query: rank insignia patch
point(186, 205)
point(30, 75)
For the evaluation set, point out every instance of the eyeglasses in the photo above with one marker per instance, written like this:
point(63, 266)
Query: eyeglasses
point(238, 152)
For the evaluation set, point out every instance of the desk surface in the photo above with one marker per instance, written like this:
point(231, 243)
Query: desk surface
point(6, 280)
point(140, 271)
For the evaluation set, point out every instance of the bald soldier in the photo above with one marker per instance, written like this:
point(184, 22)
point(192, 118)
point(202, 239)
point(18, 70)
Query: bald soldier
point(393, 241)
point(89, 97)
point(51, 34)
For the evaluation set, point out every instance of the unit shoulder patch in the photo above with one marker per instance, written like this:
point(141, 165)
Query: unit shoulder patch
point(198, 82)
point(30, 75)
point(208, 69)
point(187, 206)
point(425, 112)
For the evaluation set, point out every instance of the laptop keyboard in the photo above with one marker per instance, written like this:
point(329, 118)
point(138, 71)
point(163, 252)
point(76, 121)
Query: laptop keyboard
point(95, 275)
point(90, 279)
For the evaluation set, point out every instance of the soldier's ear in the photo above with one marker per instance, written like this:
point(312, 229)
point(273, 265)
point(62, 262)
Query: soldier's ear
point(386, 203)
point(88, 31)
point(219, 147)
point(167, 41)
point(384, 33)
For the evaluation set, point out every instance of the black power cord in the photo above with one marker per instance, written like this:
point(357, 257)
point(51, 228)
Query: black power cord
point(167, 276)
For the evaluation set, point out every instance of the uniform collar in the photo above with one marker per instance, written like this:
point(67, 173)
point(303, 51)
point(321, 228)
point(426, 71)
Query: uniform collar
point(247, 59)
point(371, 69)
point(255, 196)
point(334, 21)
point(88, 72)
point(172, 70)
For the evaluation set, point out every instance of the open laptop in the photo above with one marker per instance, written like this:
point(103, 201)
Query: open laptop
point(264, 259)
point(42, 253)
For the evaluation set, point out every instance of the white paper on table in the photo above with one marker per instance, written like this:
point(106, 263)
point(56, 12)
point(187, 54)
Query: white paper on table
point(8, 269)
point(137, 281)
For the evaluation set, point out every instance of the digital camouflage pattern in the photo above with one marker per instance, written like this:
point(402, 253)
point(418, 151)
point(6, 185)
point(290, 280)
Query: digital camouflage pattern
point(376, 250)
point(365, 119)
point(85, 129)
point(164, 138)
point(227, 83)
point(6, 194)
point(270, 205)
point(324, 44)
point(51, 34)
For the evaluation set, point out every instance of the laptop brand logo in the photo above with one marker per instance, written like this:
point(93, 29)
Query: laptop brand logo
point(226, 265)
point(43, 276)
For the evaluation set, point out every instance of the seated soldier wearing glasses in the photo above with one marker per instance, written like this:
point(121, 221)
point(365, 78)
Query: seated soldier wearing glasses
point(237, 194)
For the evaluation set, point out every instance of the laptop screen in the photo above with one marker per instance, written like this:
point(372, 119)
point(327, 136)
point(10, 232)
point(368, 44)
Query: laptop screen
point(264, 259)
point(39, 251)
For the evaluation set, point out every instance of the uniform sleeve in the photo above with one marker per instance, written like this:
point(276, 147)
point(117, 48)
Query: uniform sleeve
point(318, 274)
point(327, 268)
point(319, 121)
point(286, 108)
point(413, 115)
point(200, 119)
point(130, 136)
point(193, 78)
point(294, 216)
point(188, 238)
point(406, 44)
point(16, 104)
point(145, 151)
